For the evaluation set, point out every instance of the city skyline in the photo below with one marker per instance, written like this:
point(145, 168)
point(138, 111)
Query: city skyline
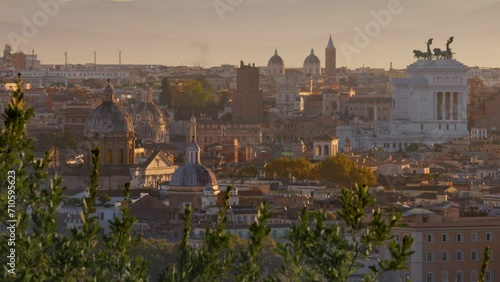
point(373, 33)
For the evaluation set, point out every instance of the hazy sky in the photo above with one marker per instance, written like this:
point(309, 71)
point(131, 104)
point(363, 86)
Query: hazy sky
point(213, 32)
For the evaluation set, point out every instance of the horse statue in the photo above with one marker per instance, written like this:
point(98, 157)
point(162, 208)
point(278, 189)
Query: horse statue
point(438, 54)
point(429, 53)
point(419, 54)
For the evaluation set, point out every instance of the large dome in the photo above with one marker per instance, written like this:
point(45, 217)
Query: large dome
point(193, 175)
point(275, 60)
point(108, 117)
point(312, 59)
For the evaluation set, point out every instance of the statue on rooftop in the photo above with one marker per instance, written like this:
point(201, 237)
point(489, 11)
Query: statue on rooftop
point(429, 52)
point(449, 54)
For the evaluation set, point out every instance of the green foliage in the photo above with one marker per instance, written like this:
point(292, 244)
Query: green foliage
point(485, 264)
point(182, 270)
point(212, 260)
point(104, 199)
point(114, 262)
point(190, 97)
point(284, 167)
point(249, 270)
point(335, 251)
point(342, 170)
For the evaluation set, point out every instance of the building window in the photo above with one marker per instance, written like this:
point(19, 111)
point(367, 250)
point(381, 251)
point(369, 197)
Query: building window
point(444, 256)
point(429, 277)
point(489, 276)
point(459, 277)
point(473, 237)
point(397, 237)
point(460, 255)
point(421, 127)
point(430, 257)
point(109, 156)
point(473, 255)
point(488, 236)
point(444, 238)
point(430, 238)
point(460, 237)
point(444, 275)
point(473, 276)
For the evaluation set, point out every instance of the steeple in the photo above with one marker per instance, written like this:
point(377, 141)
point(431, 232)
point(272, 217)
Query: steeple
point(330, 62)
point(330, 43)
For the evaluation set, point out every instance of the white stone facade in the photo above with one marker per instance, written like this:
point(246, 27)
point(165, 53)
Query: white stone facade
point(430, 105)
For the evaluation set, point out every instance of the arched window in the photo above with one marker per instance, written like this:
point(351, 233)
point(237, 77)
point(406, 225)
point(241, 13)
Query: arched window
point(318, 150)
point(326, 151)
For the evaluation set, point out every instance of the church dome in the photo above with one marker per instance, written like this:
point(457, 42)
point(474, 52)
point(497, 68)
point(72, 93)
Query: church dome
point(193, 175)
point(149, 121)
point(108, 117)
point(275, 60)
point(147, 112)
point(312, 59)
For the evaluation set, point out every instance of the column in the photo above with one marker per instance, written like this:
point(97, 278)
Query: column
point(448, 106)
point(439, 105)
point(455, 106)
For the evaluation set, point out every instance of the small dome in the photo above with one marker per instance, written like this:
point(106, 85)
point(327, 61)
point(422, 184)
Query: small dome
point(150, 112)
point(275, 60)
point(312, 59)
point(193, 175)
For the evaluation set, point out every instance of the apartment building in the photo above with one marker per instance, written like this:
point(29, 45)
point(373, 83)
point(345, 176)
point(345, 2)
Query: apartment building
point(447, 248)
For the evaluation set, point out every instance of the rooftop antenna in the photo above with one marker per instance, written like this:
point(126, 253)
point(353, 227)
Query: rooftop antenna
point(120, 57)
point(65, 59)
point(95, 60)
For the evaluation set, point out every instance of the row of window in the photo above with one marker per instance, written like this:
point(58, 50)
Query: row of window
point(459, 237)
point(459, 256)
point(459, 276)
